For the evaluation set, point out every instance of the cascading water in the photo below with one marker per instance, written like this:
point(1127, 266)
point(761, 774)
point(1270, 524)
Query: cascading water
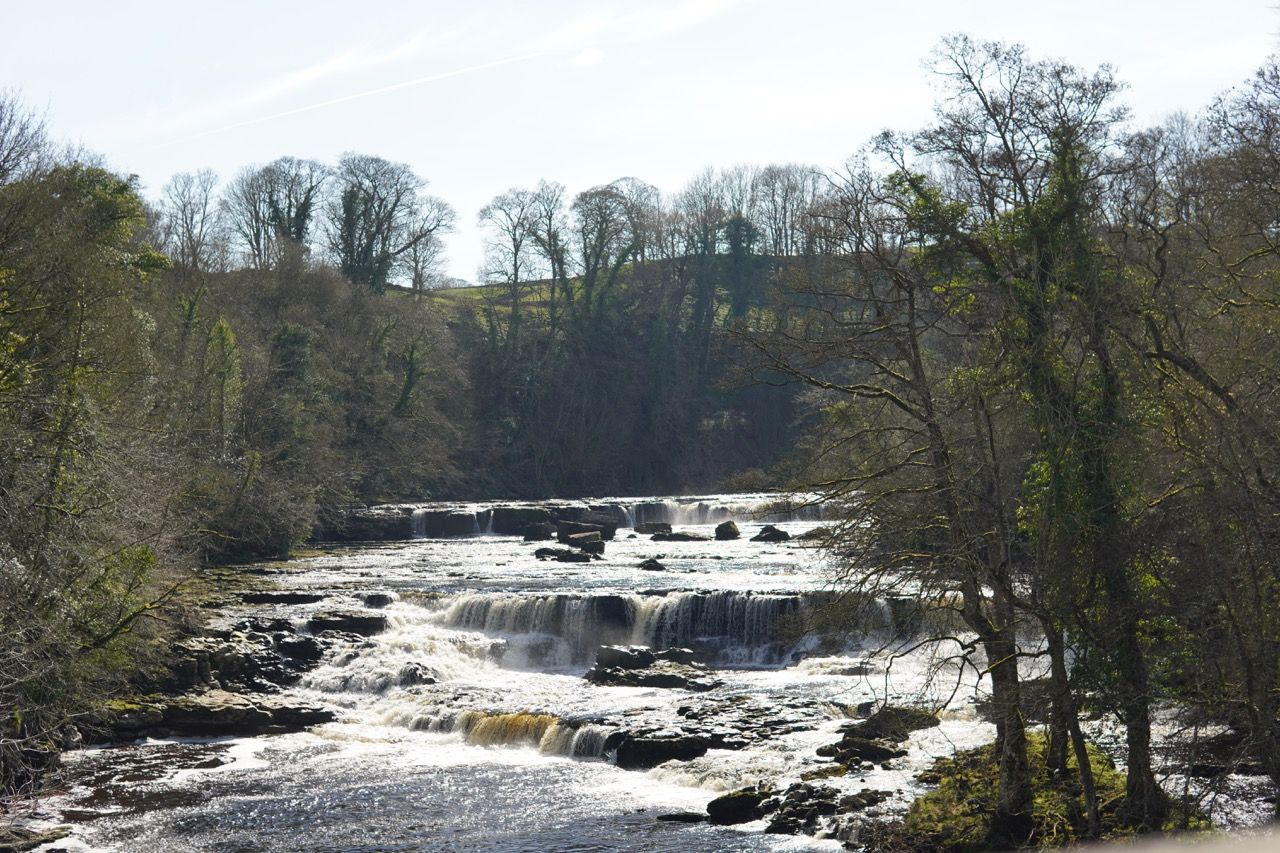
point(474, 693)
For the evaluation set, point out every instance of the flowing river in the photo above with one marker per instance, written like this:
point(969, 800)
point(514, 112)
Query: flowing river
point(467, 724)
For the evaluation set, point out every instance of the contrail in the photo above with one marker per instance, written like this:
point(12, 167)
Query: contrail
point(417, 81)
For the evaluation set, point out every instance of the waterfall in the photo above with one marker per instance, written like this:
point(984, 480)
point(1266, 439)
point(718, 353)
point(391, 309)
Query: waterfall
point(566, 629)
point(549, 734)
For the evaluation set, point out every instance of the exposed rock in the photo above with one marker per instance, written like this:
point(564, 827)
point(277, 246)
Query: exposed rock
point(516, 520)
point(300, 648)
point(565, 529)
point(562, 555)
point(459, 523)
point(607, 516)
point(727, 530)
point(369, 524)
point(769, 533)
point(740, 806)
point(625, 657)
point(281, 597)
point(642, 752)
point(651, 527)
point(208, 714)
point(660, 673)
point(415, 673)
point(539, 531)
point(855, 750)
point(19, 839)
point(892, 723)
point(652, 565)
point(378, 599)
point(351, 621)
point(683, 817)
point(680, 536)
point(817, 534)
point(591, 542)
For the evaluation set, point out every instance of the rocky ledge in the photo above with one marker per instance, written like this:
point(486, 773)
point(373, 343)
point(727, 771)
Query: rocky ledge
point(210, 713)
point(639, 666)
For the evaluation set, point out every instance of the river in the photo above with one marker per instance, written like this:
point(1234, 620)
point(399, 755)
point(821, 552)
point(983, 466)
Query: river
point(467, 723)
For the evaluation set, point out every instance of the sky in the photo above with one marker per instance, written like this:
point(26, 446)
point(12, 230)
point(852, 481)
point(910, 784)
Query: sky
point(482, 96)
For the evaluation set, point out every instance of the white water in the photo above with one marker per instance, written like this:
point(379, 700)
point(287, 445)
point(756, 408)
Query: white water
point(506, 749)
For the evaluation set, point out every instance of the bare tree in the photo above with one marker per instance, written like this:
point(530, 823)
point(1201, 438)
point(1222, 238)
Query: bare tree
point(376, 215)
point(190, 221)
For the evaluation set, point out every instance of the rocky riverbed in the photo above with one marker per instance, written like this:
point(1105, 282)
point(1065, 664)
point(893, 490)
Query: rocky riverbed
point(463, 692)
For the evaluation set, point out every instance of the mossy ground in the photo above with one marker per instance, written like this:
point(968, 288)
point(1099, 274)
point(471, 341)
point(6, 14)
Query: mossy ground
point(956, 816)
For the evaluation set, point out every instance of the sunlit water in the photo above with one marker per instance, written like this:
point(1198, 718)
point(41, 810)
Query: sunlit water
point(505, 751)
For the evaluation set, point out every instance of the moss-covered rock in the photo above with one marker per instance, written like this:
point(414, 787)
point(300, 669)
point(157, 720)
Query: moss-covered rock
point(956, 817)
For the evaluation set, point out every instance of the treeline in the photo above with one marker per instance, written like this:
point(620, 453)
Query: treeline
point(1044, 342)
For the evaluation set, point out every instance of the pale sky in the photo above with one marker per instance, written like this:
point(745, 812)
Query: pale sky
point(482, 96)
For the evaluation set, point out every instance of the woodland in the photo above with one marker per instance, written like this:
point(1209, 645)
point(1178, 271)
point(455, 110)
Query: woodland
point(1026, 355)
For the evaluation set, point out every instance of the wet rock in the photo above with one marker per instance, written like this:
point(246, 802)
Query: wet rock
point(517, 520)
point(565, 529)
point(609, 518)
point(683, 817)
point(412, 674)
point(300, 648)
point(281, 597)
point(458, 523)
point(562, 555)
point(741, 806)
point(660, 673)
point(591, 542)
point(800, 809)
point(680, 536)
point(625, 657)
point(643, 752)
point(19, 839)
point(351, 621)
point(769, 533)
point(892, 723)
point(855, 750)
point(727, 530)
point(539, 532)
point(652, 565)
point(817, 534)
point(378, 599)
point(677, 655)
point(650, 527)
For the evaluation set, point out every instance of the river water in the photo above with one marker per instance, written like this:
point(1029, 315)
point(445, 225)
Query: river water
point(467, 724)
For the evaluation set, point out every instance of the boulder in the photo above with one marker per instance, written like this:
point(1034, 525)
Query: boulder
point(680, 536)
point(300, 648)
point(650, 527)
point(625, 657)
point(644, 752)
point(589, 542)
point(378, 599)
point(741, 806)
point(606, 515)
point(892, 723)
point(516, 520)
point(539, 531)
point(856, 750)
point(660, 673)
point(359, 622)
point(565, 529)
point(652, 565)
point(683, 817)
point(562, 555)
point(769, 533)
point(727, 530)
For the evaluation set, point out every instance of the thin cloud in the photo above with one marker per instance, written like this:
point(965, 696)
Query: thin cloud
point(654, 20)
point(405, 84)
